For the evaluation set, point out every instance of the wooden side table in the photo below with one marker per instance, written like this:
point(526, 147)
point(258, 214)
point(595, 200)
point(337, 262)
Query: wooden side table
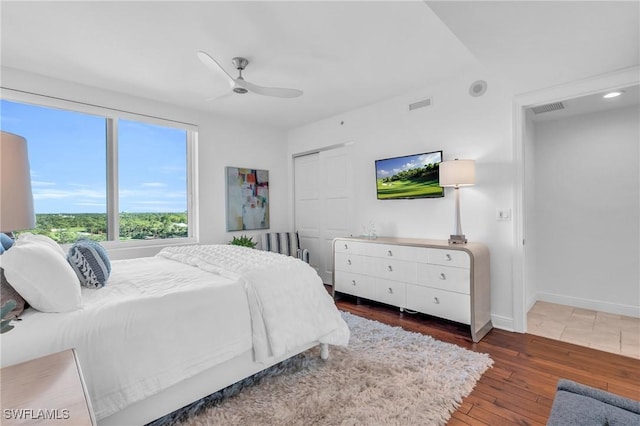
point(46, 390)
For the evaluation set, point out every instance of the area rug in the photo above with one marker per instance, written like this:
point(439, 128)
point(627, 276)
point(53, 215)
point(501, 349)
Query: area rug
point(386, 376)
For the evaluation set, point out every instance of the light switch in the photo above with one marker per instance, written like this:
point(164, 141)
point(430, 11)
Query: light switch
point(503, 214)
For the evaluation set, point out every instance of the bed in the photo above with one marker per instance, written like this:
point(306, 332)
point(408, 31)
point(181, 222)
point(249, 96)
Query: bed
point(168, 330)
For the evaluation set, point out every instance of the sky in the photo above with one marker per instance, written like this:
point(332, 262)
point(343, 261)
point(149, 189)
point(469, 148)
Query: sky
point(392, 166)
point(67, 156)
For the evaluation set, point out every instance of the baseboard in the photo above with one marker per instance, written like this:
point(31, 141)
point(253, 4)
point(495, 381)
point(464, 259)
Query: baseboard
point(503, 323)
point(595, 305)
point(532, 301)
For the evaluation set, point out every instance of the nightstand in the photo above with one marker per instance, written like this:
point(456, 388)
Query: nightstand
point(46, 390)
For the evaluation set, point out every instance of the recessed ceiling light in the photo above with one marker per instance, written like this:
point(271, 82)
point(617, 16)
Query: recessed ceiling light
point(613, 94)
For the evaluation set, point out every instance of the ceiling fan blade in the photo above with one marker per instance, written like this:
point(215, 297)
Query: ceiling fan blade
point(219, 96)
point(269, 91)
point(212, 64)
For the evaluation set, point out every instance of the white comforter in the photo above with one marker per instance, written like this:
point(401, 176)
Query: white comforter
point(158, 322)
point(155, 323)
point(287, 300)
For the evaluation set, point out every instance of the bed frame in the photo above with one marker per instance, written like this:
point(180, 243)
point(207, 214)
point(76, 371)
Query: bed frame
point(197, 387)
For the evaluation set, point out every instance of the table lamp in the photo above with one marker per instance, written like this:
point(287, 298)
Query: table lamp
point(16, 199)
point(455, 174)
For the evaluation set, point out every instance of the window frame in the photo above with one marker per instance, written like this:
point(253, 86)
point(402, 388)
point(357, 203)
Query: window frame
point(111, 117)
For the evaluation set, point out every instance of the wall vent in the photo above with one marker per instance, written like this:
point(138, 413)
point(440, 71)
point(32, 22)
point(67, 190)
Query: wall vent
point(420, 104)
point(548, 107)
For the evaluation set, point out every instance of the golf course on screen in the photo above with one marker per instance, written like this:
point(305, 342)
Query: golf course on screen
point(415, 176)
point(407, 188)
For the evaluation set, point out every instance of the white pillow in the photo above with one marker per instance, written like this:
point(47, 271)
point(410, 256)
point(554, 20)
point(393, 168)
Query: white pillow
point(42, 277)
point(43, 239)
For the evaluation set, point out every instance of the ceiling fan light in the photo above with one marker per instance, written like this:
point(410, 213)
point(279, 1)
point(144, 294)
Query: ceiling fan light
point(240, 90)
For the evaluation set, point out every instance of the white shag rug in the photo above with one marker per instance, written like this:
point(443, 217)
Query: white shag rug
point(386, 376)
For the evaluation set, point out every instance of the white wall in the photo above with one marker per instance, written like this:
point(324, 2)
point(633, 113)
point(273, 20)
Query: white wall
point(462, 126)
point(586, 209)
point(221, 142)
point(228, 143)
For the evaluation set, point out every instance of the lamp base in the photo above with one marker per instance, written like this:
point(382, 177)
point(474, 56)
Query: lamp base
point(457, 239)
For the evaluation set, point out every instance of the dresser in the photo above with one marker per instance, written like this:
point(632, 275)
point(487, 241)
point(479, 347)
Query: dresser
point(427, 276)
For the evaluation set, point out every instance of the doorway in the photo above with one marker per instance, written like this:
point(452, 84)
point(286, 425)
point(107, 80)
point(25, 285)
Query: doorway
point(524, 294)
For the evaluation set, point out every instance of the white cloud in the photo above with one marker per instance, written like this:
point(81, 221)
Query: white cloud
point(39, 183)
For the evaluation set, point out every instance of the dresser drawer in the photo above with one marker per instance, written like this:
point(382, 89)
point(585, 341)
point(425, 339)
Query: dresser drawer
point(352, 263)
point(391, 292)
point(355, 284)
point(389, 251)
point(445, 257)
point(444, 277)
point(353, 247)
point(439, 303)
point(396, 270)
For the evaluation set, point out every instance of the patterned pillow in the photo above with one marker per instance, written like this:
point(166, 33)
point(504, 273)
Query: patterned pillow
point(5, 242)
point(7, 292)
point(90, 262)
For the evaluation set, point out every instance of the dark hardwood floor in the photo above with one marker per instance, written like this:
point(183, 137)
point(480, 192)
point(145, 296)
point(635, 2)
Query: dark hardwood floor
point(520, 387)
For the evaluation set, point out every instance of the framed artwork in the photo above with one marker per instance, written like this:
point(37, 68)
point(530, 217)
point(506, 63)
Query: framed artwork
point(247, 199)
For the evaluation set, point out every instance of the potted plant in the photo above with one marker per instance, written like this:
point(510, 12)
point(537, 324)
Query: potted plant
point(243, 241)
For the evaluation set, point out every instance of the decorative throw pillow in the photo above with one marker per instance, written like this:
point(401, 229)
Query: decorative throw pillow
point(90, 262)
point(42, 277)
point(7, 292)
point(5, 242)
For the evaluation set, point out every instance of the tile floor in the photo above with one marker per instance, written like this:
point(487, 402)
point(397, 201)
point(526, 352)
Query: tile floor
point(599, 330)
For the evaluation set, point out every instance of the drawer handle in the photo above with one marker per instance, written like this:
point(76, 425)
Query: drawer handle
point(447, 257)
point(346, 247)
point(443, 276)
point(436, 301)
point(390, 268)
point(353, 282)
point(389, 253)
point(390, 290)
point(348, 261)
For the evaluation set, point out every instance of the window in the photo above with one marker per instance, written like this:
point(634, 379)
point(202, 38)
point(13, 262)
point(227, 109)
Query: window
point(105, 177)
point(152, 166)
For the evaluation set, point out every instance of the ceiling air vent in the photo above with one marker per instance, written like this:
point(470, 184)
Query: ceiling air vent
point(548, 107)
point(420, 104)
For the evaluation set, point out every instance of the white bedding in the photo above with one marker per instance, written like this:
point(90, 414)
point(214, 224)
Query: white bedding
point(287, 300)
point(157, 322)
point(161, 320)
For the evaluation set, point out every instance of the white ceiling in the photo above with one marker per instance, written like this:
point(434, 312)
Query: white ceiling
point(343, 55)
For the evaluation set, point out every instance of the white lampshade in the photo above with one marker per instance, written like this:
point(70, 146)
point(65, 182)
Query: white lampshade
point(457, 173)
point(16, 199)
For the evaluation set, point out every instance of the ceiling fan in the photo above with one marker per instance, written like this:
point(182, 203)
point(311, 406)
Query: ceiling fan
point(242, 86)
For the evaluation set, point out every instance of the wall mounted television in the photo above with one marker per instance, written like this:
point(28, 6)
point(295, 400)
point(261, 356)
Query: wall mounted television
point(410, 176)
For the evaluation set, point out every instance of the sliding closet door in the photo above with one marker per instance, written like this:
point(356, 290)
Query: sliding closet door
point(323, 204)
point(307, 205)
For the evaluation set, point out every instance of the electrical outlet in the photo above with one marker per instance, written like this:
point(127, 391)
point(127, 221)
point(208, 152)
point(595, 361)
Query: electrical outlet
point(503, 214)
